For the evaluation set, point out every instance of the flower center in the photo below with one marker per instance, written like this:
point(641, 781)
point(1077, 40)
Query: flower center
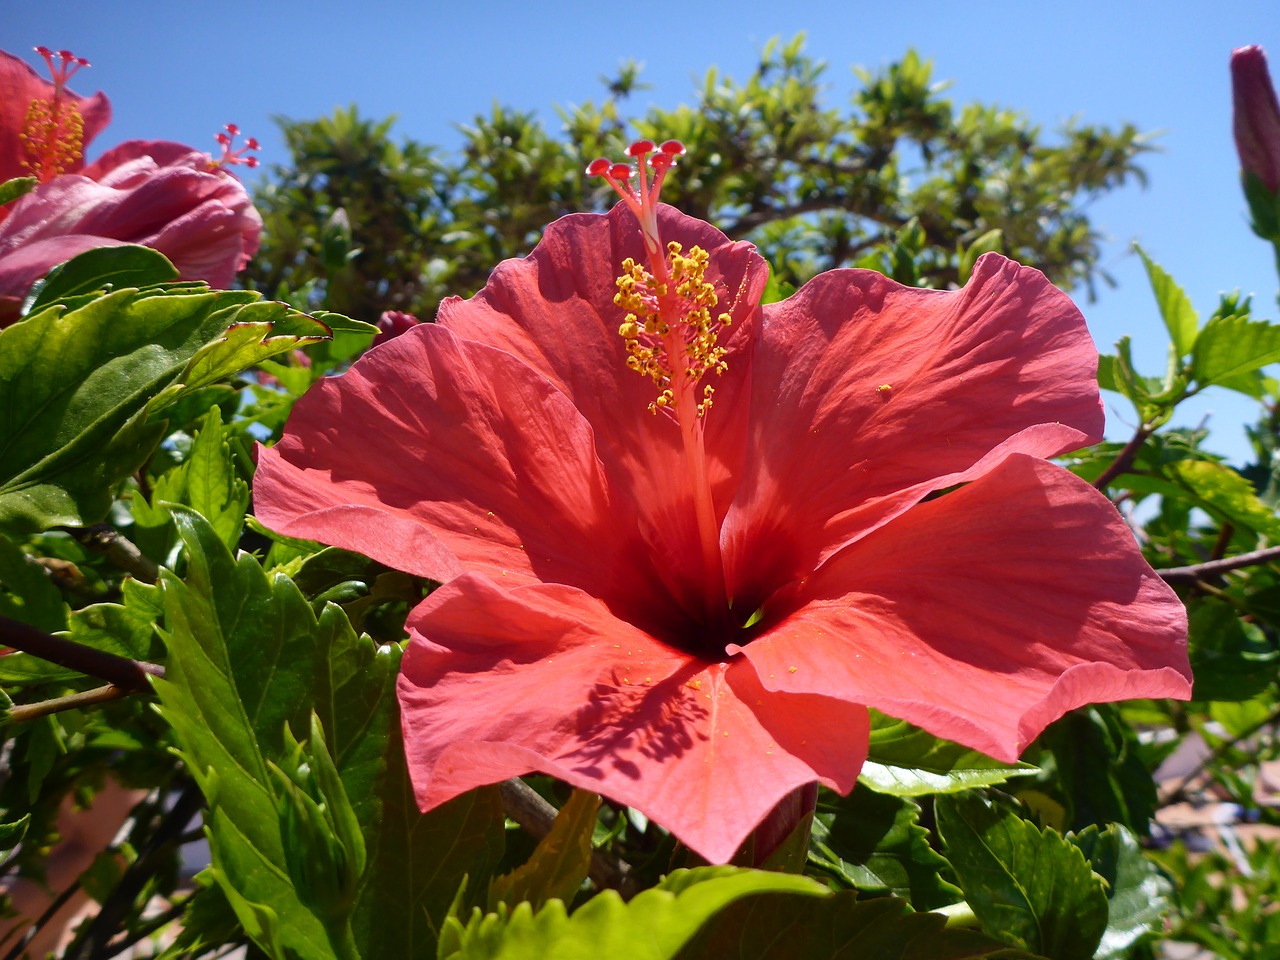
point(52, 135)
point(671, 334)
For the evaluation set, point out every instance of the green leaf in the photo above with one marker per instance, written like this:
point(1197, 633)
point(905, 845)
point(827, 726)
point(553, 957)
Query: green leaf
point(873, 841)
point(206, 481)
point(11, 190)
point(26, 591)
point(100, 270)
point(990, 242)
point(75, 385)
point(1231, 346)
point(1231, 659)
point(905, 761)
point(248, 660)
point(1139, 895)
point(653, 925)
point(1179, 315)
point(559, 863)
point(11, 834)
point(124, 629)
point(1224, 492)
point(1031, 888)
point(779, 926)
point(264, 329)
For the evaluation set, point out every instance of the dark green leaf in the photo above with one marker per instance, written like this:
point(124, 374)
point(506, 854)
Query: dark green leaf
point(11, 834)
point(1138, 893)
point(873, 842)
point(779, 926)
point(248, 657)
point(99, 270)
point(908, 762)
point(1029, 887)
point(1231, 659)
point(27, 593)
point(75, 386)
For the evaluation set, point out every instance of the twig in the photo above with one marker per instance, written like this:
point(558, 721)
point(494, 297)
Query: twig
point(26, 712)
point(122, 552)
point(1124, 459)
point(58, 903)
point(523, 805)
point(93, 938)
point(1210, 568)
point(1180, 791)
point(131, 675)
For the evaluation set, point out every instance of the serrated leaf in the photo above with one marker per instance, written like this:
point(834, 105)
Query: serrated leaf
point(1029, 887)
point(1231, 346)
point(875, 843)
point(653, 925)
point(99, 270)
point(905, 761)
point(1221, 490)
point(1179, 316)
point(559, 863)
point(261, 330)
point(1138, 894)
point(75, 385)
point(206, 481)
point(124, 629)
point(1100, 770)
point(778, 926)
point(247, 657)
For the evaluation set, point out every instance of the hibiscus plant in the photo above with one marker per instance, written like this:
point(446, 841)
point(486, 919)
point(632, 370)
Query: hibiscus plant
point(735, 569)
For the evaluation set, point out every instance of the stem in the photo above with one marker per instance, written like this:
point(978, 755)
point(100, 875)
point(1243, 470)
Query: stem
point(121, 551)
point(1209, 568)
point(1124, 459)
point(523, 805)
point(26, 712)
point(131, 675)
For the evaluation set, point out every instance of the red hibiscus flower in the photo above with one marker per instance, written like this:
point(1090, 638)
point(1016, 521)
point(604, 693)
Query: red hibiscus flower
point(686, 600)
point(164, 195)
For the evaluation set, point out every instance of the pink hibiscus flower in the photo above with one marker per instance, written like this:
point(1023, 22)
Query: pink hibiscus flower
point(688, 606)
point(163, 195)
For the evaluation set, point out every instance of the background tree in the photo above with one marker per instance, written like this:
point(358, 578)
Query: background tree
point(902, 180)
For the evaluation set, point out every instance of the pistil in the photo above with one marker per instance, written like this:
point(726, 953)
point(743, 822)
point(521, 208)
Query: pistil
point(671, 335)
point(52, 134)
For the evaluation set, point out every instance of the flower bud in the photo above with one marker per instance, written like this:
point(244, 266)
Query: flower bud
point(1256, 118)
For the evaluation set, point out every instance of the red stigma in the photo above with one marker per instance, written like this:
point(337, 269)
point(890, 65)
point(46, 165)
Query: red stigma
point(641, 197)
point(232, 158)
point(63, 71)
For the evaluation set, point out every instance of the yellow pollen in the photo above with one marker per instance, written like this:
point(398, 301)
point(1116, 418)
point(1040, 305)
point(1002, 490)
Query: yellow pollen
point(52, 137)
point(653, 315)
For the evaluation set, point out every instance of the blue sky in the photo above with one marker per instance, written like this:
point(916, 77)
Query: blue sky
point(179, 71)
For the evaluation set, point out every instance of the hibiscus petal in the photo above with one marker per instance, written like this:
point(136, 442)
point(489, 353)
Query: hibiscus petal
point(498, 683)
point(868, 394)
point(555, 311)
point(472, 462)
point(985, 615)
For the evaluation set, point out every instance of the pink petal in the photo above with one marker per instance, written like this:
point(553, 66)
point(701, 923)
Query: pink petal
point(986, 614)
point(474, 462)
point(498, 683)
point(868, 394)
point(554, 310)
point(19, 86)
